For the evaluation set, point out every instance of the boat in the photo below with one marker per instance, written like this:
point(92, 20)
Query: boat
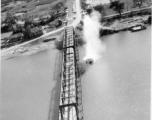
point(89, 61)
point(137, 28)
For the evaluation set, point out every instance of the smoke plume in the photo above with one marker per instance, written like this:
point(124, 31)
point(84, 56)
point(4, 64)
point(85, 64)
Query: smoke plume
point(94, 46)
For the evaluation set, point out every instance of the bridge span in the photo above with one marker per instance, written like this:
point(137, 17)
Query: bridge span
point(70, 107)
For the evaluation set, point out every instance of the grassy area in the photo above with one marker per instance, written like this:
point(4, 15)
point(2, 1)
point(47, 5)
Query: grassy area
point(44, 2)
point(24, 7)
point(42, 10)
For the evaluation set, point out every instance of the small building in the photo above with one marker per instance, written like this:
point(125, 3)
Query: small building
point(36, 19)
point(21, 23)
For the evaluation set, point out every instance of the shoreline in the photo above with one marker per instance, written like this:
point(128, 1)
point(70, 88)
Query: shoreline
point(124, 24)
point(45, 36)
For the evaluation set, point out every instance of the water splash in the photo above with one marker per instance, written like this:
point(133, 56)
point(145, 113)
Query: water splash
point(94, 45)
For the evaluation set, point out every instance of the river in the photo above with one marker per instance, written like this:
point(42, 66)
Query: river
point(115, 87)
point(30, 84)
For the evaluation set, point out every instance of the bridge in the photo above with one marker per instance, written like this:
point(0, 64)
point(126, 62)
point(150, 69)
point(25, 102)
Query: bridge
point(70, 107)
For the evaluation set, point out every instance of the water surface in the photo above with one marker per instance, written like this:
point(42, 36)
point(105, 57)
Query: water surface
point(30, 86)
point(117, 86)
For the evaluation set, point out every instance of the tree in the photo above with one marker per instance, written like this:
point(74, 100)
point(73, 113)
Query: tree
point(83, 4)
point(59, 45)
point(52, 18)
point(17, 29)
point(100, 8)
point(138, 3)
point(58, 23)
point(117, 6)
point(27, 32)
point(57, 7)
point(10, 20)
point(28, 22)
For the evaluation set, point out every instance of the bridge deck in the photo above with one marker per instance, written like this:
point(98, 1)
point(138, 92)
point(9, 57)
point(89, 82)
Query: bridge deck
point(68, 109)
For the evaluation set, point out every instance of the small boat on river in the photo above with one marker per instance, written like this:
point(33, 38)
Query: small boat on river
point(137, 28)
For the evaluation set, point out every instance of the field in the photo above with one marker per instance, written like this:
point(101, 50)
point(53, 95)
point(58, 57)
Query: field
point(30, 5)
point(35, 7)
point(42, 10)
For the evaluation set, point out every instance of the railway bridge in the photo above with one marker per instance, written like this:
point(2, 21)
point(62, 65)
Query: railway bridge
point(70, 107)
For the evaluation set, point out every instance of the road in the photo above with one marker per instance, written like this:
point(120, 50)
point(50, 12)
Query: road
point(71, 21)
point(78, 14)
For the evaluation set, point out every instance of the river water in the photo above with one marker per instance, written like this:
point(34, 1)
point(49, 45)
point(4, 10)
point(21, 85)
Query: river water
point(116, 87)
point(30, 84)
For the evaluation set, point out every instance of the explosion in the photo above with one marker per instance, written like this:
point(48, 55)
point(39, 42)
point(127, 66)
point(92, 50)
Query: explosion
point(94, 45)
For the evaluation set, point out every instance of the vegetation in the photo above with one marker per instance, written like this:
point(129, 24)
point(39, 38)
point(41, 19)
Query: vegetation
point(100, 8)
point(117, 6)
point(78, 37)
point(7, 25)
point(83, 4)
point(29, 28)
point(43, 2)
point(59, 42)
point(149, 20)
point(138, 3)
point(10, 20)
point(59, 45)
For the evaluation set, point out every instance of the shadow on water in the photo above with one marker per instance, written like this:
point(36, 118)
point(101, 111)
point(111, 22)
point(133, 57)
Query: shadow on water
point(55, 94)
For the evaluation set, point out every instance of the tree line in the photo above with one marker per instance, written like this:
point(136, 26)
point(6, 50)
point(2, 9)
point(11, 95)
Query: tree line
point(115, 5)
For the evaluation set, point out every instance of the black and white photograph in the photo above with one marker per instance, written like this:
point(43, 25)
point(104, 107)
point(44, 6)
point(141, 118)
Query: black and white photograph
point(75, 60)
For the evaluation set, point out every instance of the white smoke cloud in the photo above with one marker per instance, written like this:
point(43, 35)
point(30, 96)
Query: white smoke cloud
point(94, 45)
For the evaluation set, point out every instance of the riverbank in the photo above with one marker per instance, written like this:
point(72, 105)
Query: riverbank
point(123, 24)
point(54, 34)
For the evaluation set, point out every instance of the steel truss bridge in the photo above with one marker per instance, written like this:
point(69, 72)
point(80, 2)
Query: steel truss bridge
point(70, 107)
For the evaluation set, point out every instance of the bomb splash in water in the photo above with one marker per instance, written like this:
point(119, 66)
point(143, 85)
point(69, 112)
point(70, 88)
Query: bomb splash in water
point(94, 46)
